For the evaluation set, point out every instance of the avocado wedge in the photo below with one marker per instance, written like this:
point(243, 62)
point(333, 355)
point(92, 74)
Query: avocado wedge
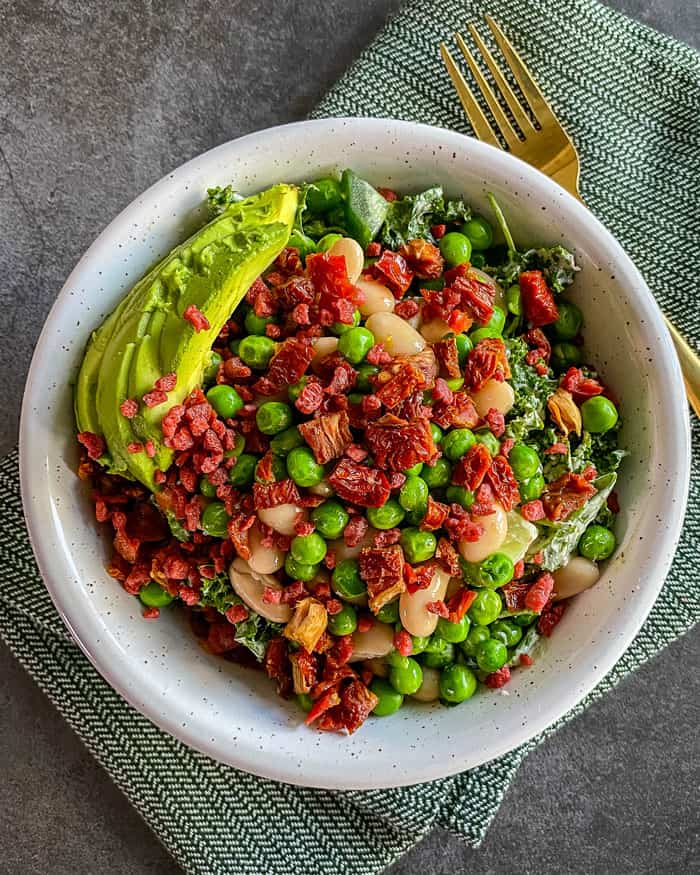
point(147, 337)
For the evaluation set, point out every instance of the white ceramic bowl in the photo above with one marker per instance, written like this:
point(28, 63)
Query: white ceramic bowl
point(232, 713)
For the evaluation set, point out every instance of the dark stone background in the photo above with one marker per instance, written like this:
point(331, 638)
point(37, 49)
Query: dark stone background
point(97, 101)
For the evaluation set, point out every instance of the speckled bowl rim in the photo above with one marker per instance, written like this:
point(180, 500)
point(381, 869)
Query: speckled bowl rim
point(315, 771)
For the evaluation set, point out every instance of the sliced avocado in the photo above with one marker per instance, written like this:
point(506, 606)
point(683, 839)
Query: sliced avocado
point(147, 337)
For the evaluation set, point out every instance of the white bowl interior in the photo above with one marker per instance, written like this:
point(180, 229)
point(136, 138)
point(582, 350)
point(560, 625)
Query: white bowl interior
point(232, 713)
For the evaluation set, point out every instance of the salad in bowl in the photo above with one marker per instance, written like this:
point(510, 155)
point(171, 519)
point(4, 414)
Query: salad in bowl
point(357, 440)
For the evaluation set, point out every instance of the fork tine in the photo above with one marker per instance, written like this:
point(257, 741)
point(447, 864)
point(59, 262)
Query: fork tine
point(523, 77)
point(521, 117)
point(476, 117)
point(502, 120)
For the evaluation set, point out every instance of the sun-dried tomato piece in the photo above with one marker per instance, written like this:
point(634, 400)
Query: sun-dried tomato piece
point(447, 557)
point(277, 664)
point(538, 301)
point(378, 355)
point(328, 700)
point(146, 523)
point(238, 529)
point(94, 444)
point(126, 546)
point(498, 679)
point(476, 296)
point(487, 357)
point(274, 494)
point(221, 638)
point(310, 398)
point(423, 258)
point(459, 603)
point(355, 530)
point(398, 445)
point(382, 570)
point(196, 318)
point(396, 384)
point(419, 576)
point(471, 469)
point(565, 495)
point(287, 366)
point(513, 594)
point(335, 294)
point(327, 435)
point(343, 379)
point(459, 413)
point(435, 515)
point(391, 268)
point(365, 487)
point(505, 486)
point(538, 342)
point(549, 618)
point(580, 387)
point(356, 704)
point(448, 357)
point(439, 608)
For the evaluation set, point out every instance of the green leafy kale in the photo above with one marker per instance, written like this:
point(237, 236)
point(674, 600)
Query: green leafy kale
point(600, 450)
point(412, 216)
point(254, 633)
point(530, 643)
point(220, 199)
point(531, 392)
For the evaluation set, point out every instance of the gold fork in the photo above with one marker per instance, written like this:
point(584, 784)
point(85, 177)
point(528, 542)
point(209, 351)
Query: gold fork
point(545, 145)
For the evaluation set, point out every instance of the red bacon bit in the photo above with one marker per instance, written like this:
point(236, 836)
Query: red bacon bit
point(261, 299)
point(355, 530)
point(589, 473)
point(129, 408)
point(365, 623)
point(134, 447)
point(447, 557)
point(166, 383)
point(378, 355)
point(150, 448)
point(471, 469)
point(196, 318)
point(406, 309)
point(518, 569)
point(438, 231)
point(356, 453)
point(399, 445)
point(151, 614)
point(550, 617)
point(365, 487)
point(388, 194)
point(438, 607)
point(274, 494)
point(327, 435)
point(343, 379)
point(295, 592)
point(387, 538)
point(159, 477)
point(498, 679)
point(526, 660)
point(237, 614)
point(448, 357)
point(539, 344)
point(435, 515)
point(461, 527)
point(310, 398)
point(154, 398)
point(505, 486)
point(391, 268)
point(442, 392)
point(538, 301)
point(396, 480)
point(373, 250)
point(333, 607)
point(94, 444)
point(459, 604)
point(403, 643)
point(580, 387)
point(558, 449)
point(565, 495)
point(496, 421)
point(423, 258)
point(538, 558)
point(287, 366)
point(272, 595)
point(613, 502)
point(538, 594)
point(533, 511)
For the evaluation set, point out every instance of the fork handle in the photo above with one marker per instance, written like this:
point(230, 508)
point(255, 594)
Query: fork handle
point(690, 365)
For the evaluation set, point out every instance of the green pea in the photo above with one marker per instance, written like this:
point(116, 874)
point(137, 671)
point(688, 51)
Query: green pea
point(279, 471)
point(494, 571)
point(524, 461)
point(436, 432)
point(330, 519)
point(305, 702)
point(388, 613)
point(305, 245)
point(294, 391)
point(308, 549)
point(355, 398)
point(364, 372)
point(236, 449)
point(455, 248)
point(285, 441)
point(597, 543)
point(414, 471)
point(414, 493)
point(388, 516)
point(479, 232)
point(439, 475)
point(532, 488)
point(491, 655)
point(493, 328)
point(523, 619)
point(154, 596)
point(394, 658)
point(406, 679)
point(478, 260)
point(342, 327)
point(243, 471)
point(599, 415)
point(460, 495)
point(476, 635)
point(235, 345)
point(438, 653)
point(513, 301)
point(225, 400)
point(257, 351)
point(457, 683)
point(346, 580)
point(327, 241)
point(569, 322)
point(506, 632)
point(457, 442)
point(207, 488)
point(489, 440)
point(455, 633)
point(323, 195)
point(419, 644)
point(272, 417)
point(299, 570)
point(564, 355)
point(415, 517)
point(344, 622)
point(418, 546)
point(303, 468)
point(486, 607)
point(464, 347)
point(257, 324)
point(212, 369)
point(389, 700)
point(215, 520)
point(355, 344)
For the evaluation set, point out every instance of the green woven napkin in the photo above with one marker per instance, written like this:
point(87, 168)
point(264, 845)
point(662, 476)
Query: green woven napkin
point(629, 97)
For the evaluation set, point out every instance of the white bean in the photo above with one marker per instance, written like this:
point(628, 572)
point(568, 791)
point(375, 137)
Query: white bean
point(342, 551)
point(376, 642)
point(377, 666)
point(415, 617)
point(281, 518)
point(323, 346)
point(322, 488)
point(354, 256)
point(250, 585)
point(263, 560)
point(495, 530)
point(395, 334)
point(494, 394)
point(429, 690)
point(378, 299)
point(578, 574)
point(435, 330)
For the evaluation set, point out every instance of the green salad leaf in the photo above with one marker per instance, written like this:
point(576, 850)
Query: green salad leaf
point(254, 633)
point(411, 217)
point(176, 528)
point(220, 199)
point(529, 644)
point(531, 393)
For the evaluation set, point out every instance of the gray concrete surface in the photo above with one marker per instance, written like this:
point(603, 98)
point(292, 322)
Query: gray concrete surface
point(99, 100)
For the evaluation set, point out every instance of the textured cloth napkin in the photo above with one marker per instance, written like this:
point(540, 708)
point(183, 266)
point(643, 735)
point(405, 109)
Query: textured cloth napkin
point(630, 99)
